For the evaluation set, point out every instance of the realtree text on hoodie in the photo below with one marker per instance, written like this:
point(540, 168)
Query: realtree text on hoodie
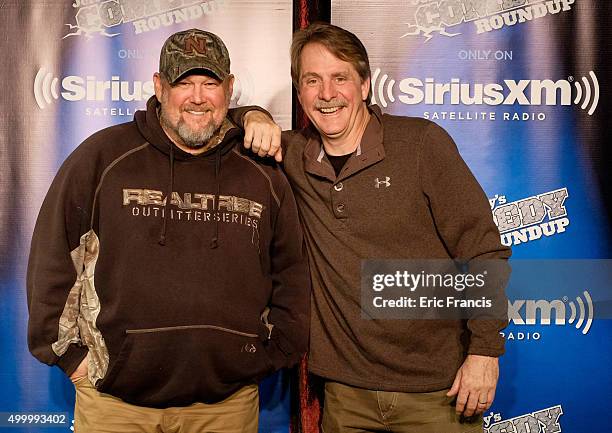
point(184, 277)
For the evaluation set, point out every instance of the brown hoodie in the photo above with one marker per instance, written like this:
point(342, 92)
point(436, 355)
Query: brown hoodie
point(160, 265)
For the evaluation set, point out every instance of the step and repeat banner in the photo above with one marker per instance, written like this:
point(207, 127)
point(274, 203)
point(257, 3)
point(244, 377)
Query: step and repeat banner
point(520, 85)
point(70, 68)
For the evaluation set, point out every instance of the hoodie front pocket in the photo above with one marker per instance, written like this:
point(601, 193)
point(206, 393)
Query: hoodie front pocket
point(176, 366)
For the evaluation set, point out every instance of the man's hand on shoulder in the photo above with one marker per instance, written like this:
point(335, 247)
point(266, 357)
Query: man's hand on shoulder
point(262, 135)
point(475, 384)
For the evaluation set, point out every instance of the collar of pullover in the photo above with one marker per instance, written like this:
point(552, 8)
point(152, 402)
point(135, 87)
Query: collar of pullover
point(369, 151)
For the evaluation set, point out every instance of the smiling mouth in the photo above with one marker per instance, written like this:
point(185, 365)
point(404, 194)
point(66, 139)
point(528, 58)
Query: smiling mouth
point(329, 110)
point(197, 113)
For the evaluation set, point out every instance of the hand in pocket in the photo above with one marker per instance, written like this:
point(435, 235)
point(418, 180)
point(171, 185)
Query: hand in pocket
point(81, 370)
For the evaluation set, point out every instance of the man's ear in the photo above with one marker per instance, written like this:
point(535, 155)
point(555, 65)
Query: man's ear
point(157, 82)
point(230, 84)
point(365, 89)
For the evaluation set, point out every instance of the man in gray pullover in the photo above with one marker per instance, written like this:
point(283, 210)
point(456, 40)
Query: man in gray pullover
point(375, 186)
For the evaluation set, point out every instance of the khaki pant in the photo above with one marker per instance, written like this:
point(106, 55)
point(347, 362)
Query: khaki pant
point(354, 410)
point(95, 412)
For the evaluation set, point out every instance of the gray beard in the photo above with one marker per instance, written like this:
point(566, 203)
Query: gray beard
point(192, 139)
point(196, 139)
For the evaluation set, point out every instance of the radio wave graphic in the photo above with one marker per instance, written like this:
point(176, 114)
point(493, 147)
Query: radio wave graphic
point(588, 314)
point(587, 93)
point(45, 88)
point(379, 89)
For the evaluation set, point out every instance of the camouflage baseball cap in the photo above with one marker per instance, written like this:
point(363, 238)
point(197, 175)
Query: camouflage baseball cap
point(193, 49)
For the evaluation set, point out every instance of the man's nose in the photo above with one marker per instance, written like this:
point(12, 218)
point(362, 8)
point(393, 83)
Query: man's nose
point(327, 91)
point(198, 95)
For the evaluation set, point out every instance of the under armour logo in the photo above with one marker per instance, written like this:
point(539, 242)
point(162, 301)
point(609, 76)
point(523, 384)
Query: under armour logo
point(385, 182)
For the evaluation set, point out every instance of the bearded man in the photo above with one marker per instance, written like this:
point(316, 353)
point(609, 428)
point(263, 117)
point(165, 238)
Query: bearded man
point(167, 273)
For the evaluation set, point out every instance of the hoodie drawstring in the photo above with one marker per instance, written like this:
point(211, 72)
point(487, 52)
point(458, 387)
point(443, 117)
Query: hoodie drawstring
point(162, 236)
point(214, 243)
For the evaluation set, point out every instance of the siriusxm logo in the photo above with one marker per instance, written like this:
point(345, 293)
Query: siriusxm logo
point(412, 91)
point(89, 88)
point(48, 88)
point(531, 312)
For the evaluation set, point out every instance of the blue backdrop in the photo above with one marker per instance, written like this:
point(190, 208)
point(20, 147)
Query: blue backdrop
point(522, 87)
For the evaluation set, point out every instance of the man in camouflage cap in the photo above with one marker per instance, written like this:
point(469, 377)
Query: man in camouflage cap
point(191, 58)
point(194, 49)
point(167, 274)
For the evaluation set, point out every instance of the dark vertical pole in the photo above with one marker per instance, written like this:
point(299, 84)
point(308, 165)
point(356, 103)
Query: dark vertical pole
point(305, 401)
point(306, 12)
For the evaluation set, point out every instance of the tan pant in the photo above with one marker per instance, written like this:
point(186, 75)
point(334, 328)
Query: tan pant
point(95, 412)
point(354, 410)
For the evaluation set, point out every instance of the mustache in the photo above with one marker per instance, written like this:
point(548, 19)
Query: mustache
point(336, 102)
